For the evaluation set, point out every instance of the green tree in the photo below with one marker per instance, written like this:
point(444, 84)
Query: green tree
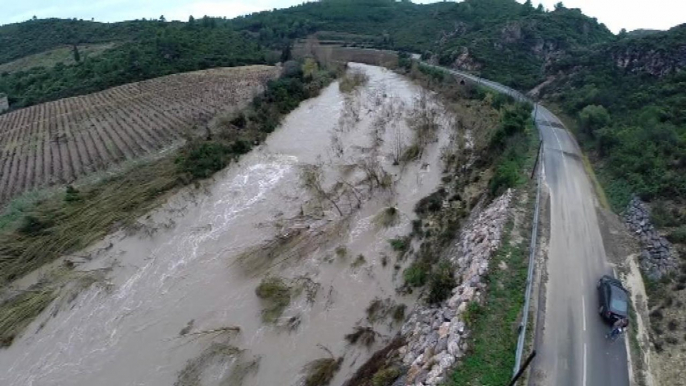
point(559, 5)
point(77, 55)
point(309, 68)
point(593, 118)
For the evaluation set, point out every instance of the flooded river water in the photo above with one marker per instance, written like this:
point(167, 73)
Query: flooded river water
point(194, 264)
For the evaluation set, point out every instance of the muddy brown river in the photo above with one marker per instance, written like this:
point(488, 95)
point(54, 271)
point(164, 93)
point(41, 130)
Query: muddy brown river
point(194, 263)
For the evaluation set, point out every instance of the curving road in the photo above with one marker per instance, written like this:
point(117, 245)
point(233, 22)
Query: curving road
point(572, 350)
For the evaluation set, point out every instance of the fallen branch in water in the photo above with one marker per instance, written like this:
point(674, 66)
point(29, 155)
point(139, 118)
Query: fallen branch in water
point(232, 329)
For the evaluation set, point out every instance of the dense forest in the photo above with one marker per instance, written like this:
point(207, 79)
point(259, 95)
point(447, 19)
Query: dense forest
point(626, 91)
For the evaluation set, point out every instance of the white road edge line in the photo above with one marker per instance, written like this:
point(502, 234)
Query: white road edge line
point(584, 384)
point(583, 310)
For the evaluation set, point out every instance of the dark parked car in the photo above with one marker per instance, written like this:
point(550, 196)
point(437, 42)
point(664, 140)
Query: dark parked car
point(614, 299)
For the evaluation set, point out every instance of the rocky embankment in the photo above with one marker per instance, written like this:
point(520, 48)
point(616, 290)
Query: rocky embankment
point(657, 254)
point(435, 336)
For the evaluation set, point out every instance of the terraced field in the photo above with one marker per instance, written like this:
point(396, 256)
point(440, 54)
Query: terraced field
point(58, 142)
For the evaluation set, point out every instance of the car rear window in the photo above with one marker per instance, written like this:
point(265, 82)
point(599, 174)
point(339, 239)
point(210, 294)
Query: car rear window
point(618, 305)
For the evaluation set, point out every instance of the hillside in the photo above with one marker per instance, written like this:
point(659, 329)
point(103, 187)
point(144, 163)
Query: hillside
point(500, 39)
point(636, 124)
point(144, 50)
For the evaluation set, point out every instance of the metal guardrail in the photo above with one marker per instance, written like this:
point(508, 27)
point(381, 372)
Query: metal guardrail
point(532, 260)
point(534, 231)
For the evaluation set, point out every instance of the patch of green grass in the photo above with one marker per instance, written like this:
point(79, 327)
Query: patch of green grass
point(494, 337)
point(276, 295)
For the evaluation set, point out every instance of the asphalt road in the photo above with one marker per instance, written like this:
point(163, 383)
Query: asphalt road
point(572, 349)
point(571, 346)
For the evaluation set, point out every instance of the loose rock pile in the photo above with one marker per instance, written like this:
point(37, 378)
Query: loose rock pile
point(436, 335)
point(657, 257)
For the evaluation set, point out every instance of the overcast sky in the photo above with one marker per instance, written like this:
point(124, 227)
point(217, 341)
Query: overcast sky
point(616, 14)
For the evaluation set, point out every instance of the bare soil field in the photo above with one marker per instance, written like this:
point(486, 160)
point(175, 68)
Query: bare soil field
point(58, 142)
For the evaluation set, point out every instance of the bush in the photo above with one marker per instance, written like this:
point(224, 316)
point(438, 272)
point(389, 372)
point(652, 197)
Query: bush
point(385, 377)
point(472, 312)
point(400, 244)
point(415, 275)
point(431, 203)
point(202, 159)
point(593, 118)
point(507, 175)
point(352, 80)
point(276, 294)
point(72, 194)
point(678, 236)
point(441, 283)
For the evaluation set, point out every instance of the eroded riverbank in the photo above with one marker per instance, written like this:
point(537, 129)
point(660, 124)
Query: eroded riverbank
point(192, 267)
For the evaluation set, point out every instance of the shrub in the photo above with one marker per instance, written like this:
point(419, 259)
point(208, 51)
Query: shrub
point(593, 118)
point(441, 283)
point(431, 203)
point(472, 312)
point(399, 312)
point(320, 372)
point(415, 275)
point(507, 175)
point(364, 335)
point(678, 235)
point(399, 244)
point(202, 159)
point(352, 80)
point(277, 296)
point(72, 194)
point(34, 225)
point(385, 377)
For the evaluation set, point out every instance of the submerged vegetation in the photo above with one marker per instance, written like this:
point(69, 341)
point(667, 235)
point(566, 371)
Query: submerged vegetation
point(320, 372)
point(352, 80)
point(276, 296)
point(17, 312)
